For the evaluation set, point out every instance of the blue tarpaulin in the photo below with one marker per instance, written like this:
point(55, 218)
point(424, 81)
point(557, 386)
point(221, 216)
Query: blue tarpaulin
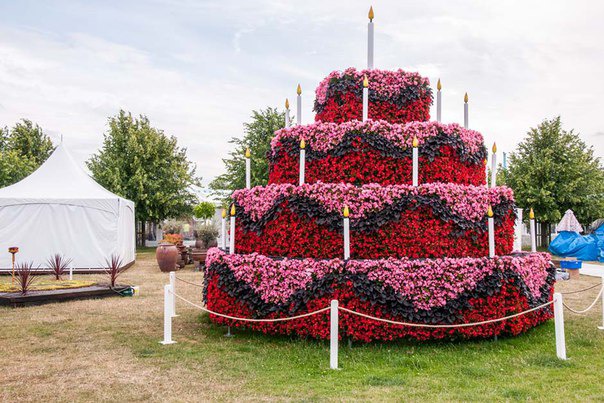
point(583, 247)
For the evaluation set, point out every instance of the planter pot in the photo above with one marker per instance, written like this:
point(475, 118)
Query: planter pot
point(198, 244)
point(167, 254)
point(199, 255)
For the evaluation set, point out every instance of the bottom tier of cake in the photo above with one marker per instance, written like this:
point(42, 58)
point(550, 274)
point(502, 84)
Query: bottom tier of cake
point(429, 291)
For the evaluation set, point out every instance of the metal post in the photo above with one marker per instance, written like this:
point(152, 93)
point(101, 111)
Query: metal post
point(172, 296)
point(333, 335)
point(602, 297)
point(167, 316)
point(559, 325)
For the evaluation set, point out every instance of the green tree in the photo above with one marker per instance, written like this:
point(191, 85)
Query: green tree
point(553, 170)
point(258, 134)
point(22, 150)
point(141, 163)
point(204, 210)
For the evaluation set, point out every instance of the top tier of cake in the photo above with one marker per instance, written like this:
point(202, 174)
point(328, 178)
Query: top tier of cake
point(394, 96)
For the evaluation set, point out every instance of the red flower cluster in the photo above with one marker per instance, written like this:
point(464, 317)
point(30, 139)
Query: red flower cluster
point(349, 106)
point(417, 234)
point(507, 301)
point(366, 165)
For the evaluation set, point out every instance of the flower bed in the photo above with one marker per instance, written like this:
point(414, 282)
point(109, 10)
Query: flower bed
point(435, 291)
point(395, 96)
point(431, 220)
point(378, 152)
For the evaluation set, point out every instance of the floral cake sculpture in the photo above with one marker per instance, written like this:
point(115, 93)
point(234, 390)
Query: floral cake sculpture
point(418, 254)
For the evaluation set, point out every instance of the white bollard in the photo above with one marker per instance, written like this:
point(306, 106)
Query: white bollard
point(559, 325)
point(167, 317)
point(602, 296)
point(70, 273)
point(172, 297)
point(333, 335)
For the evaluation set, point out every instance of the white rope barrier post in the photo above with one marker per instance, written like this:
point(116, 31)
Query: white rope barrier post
point(346, 233)
point(232, 237)
point(532, 227)
point(167, 316)
point(302, 162)
point(71, 273)
point(333, 335)
point(559, 326)
point(415, 167)
point(438, 102)
point(602, 296)
point(491, 225)
point(518, 230)
point(172, 297)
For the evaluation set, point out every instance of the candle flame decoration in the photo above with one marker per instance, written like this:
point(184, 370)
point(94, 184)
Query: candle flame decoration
point(346, 211)
point(232, 210)
point(371, 15)
point(365, 82)
point(247, 153)
point(299, 90)
point(490, 211)
point(532, 214)
point(415, 142)
point(302, 144)
point(486, 162)
point(286, 103)
point(224, 213)
point(494, 148)
point(438, 85)
point(465, 98)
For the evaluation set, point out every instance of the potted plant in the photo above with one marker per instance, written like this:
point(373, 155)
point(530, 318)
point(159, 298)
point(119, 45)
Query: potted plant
point(167, 253)
point(207, 236)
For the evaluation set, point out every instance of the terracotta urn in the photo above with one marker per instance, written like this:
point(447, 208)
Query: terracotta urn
point(167, 254)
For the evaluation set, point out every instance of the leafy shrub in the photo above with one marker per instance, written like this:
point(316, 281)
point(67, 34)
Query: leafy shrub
point(204, 210)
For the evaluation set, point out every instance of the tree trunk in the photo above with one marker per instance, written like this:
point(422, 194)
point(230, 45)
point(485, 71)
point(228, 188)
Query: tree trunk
point(544, 234)
point(143, 234)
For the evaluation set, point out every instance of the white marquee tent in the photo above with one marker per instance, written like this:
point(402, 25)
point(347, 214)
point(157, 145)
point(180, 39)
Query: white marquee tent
point(59, 208)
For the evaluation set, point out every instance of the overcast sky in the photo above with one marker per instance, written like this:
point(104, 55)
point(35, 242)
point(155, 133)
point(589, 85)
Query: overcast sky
point(198, 68)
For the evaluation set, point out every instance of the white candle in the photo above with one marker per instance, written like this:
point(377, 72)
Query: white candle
point(465, 111)
point(518, 230)
point(494, 166)
point(248, 169)
point(346, 233)
point(370, 40)
point(415, 162)
point(438, 102)
point(486, 173)
point(533, 235)
point(302, 161)
point(365, 98)
point(223, 230)
point(232, 238)
point(288, 122)
point(299, 105)
point(491, 222)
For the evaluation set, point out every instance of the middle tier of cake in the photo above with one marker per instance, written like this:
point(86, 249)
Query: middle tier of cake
point(430, 220)
point(378, 152)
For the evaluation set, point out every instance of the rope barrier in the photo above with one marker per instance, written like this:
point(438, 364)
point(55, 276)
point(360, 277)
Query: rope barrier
point(188, 282)
point(392, 322)
point(250, 319)
point(589, 307)
point(583, 290)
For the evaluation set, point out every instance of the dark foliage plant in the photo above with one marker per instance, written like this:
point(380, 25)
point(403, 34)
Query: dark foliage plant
point(58, 264)
point(114, 265)
point(25, 276)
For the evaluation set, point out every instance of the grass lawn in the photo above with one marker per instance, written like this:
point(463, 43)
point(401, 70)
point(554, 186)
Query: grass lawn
point(108, 350)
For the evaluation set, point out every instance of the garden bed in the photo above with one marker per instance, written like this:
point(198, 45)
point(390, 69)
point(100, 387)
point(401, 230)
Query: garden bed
point(45, 296)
